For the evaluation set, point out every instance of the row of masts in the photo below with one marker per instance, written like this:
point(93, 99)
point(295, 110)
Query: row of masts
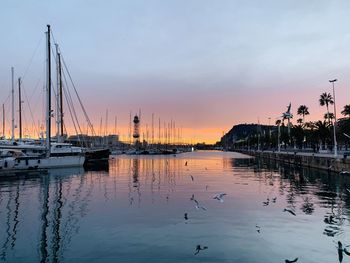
point(59, 98)
point(168, 134)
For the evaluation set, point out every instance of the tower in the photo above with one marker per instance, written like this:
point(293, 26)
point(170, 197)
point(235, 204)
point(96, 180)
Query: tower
point(136, 134)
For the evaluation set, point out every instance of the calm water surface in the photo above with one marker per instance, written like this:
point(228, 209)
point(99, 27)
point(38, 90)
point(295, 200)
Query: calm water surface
point(134, 212)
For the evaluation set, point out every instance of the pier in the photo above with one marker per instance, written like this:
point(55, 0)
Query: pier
point(313, 160)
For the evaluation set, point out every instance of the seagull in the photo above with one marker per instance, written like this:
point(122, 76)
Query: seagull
point(266, 203)
point(199, 248)
point(291, 212)
point(185, 216)
point(201, 207)
point(197, 203)
point(340, 251)
point(219, 197)
point(291, 261)
point(258, 228)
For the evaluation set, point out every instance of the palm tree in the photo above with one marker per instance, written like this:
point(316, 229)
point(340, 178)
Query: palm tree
point(303, 110)
point(329, 116)
point(346, 111)
point(326, 99)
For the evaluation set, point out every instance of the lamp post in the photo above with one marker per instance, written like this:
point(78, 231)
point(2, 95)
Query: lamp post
point(335, 120)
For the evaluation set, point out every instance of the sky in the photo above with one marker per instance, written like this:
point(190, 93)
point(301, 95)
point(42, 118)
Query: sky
point(206, 65)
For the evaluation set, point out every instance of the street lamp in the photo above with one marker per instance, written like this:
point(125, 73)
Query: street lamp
point(335, 120)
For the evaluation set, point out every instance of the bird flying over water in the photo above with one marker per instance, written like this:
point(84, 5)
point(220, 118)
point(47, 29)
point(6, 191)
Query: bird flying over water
point(291, 261)
point(198, 206)
point(199, 248)
point(185, 216)
point(219, 197)
point(289, 211)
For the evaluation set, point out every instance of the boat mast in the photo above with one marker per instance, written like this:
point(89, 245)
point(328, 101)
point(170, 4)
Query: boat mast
point(48, 92)
point(3, 120)
point(20, 108)
point(13, 106)
point(59, 97)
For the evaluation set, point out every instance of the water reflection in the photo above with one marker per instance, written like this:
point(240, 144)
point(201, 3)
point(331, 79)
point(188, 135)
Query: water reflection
point(140, 201)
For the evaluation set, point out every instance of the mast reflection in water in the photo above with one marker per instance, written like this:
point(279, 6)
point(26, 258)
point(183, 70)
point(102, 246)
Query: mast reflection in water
point(134, 212)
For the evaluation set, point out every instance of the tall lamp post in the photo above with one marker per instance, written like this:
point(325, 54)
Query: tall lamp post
point(335, 120)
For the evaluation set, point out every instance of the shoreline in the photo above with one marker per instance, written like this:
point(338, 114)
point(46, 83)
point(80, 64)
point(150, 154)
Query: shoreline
point(313, 160)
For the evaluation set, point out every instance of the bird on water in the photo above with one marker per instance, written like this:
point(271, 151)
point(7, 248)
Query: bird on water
point(199, 248)
point(291, 261)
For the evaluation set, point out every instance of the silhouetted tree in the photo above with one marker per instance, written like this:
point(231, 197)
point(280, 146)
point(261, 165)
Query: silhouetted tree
point(302, 111)
point(346, 111)
point(326, 99)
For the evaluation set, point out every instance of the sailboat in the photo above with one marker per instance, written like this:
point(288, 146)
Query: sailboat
point(14, 159)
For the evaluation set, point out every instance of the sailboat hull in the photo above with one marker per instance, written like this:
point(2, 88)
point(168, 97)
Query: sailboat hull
point(11, 164)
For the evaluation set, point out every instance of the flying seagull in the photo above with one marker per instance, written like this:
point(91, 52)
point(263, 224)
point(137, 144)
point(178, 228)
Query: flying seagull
point(291, 212)
point(199, 248)
point(219, 197)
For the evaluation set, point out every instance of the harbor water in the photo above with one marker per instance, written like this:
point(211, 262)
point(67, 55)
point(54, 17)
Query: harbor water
point(134, 211)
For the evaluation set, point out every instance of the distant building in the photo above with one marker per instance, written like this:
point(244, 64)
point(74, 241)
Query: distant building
point(95, 141)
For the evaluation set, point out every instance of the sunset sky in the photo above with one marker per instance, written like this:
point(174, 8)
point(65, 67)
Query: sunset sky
point(207, 65)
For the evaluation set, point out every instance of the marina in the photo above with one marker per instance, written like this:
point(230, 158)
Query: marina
point(134, 212)
point(174, 131)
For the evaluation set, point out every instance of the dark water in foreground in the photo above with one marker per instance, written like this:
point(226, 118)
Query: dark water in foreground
point(135, 212)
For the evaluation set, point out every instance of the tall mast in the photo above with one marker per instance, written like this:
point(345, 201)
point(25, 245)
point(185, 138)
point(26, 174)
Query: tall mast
point(13, 105)
point(3, 120)
point(152, 128)
point(159, 135)
point(59, 97)
point(61, 93)
point(115, 124)
point(20, 108)
point(48, 92)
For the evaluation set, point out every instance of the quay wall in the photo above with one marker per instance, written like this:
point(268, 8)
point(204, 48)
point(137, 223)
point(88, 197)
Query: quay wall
point(339, 164)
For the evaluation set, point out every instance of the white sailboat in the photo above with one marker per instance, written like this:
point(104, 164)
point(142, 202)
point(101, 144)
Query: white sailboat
point(57, 155)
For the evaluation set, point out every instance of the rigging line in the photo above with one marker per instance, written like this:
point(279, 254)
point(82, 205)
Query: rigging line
point(70, 105)
point(35, 88)
point(30, 110)
point(32, 57)
point(69, 108)
point(80, 102)
point(8, 97)
point(72, 102)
